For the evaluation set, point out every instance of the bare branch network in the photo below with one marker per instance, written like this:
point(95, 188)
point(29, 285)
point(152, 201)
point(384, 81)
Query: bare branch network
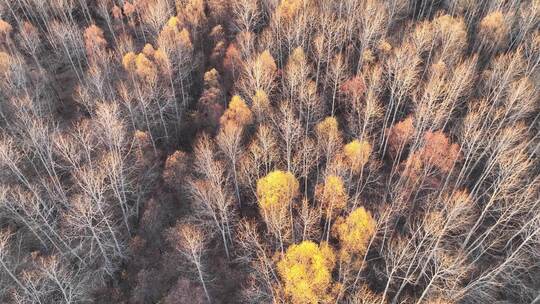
point(269, 151)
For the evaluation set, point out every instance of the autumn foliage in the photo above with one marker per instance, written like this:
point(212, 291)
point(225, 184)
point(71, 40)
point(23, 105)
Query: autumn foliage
point(273, 151)
point(306, 271)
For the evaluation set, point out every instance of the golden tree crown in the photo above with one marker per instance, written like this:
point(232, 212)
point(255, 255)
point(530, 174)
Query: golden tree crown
point(306, 272)
point(356, 154)
point(355, 231)
point(277, 189)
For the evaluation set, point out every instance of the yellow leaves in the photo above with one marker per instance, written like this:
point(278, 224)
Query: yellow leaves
point(260, 72)
point(261, 103)
point(328, 128)
point(128, 61)
point(356, 154)
point(146, 64)
point(334, 195)
point(306, 272)
point(276, 190)
point(384, 47)
point(354, 232)
point(148, 50)
point(266, 62)
point(494, 31)
point(237, 114)
point(288, 9)
point(173, 38)
point(184, 38)
point(298, 57)
point(328, 137)
point(451, 34)
point(162, 60)
point(449, 25)
point(145, 69)
point(173, 22)
point(460, 197)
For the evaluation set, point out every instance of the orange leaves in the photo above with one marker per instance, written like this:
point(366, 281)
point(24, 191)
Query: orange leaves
point(5, 31)
point(5, 62)
point(288, 9)
point(439, 152)
point(237, 114)
point(232, 61)
point(354, 87)
point(306, 272)
point(399, 136)
point(116, 11)
point(94, 40)
point(147, 65)
point(175, 167)
point(129, 9)
point(145, 68)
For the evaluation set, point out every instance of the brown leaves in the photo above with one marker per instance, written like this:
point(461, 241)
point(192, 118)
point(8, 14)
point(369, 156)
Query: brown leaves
point(400, 135)
point(493, 29)
point(354, 87)
point(439, 152)
point(94, 41)
point(176, 167)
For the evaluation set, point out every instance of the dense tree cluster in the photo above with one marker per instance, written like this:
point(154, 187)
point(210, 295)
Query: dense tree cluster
point(269, 151)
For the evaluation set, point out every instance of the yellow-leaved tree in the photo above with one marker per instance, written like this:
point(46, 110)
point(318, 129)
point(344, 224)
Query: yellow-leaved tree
point(237, 114)
point(260, 105)
point(306, 273)
point(333, 198)
point(354, 233)
point(356, 154)
point(229, 138)
point(329, 139)
point(275, 193)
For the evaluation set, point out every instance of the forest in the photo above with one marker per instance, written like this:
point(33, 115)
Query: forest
point(270, 151)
